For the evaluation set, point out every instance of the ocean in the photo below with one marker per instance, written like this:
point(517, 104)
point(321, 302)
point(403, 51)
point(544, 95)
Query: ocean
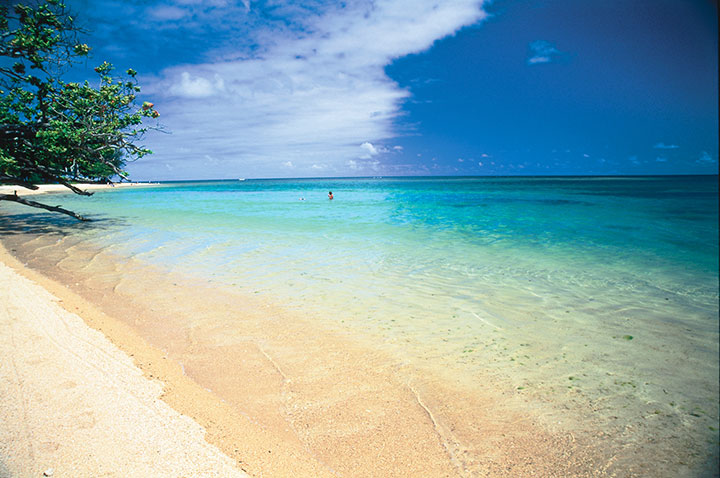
point(576, 293)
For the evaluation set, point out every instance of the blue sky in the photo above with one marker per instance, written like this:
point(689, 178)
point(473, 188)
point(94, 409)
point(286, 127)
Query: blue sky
point(280, 88)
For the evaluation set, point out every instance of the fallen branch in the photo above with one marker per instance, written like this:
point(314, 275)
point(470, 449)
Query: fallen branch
point(27, 202)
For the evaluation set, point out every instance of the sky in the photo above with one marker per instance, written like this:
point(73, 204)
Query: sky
point(320, 88)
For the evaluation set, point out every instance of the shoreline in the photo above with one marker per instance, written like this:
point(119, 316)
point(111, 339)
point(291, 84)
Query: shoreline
point(59, 188)
point(265, 446)
point(74, 404)
point(279, 373)
point(251, 448)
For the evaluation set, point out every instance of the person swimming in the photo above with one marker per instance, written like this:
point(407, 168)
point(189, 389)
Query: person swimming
point(330, 196)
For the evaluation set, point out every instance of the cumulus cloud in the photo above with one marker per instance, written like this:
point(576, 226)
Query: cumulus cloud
point(542, 51)
point(197, 87)
point(369, 150)
point(311, 92)
point(665, 146)
point(705, 158)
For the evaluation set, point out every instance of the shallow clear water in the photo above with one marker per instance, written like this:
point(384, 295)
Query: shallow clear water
point(590, 289)
point(403, 240)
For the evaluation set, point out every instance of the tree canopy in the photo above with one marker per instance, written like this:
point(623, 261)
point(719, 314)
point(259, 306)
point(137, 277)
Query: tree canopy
point(55, 131)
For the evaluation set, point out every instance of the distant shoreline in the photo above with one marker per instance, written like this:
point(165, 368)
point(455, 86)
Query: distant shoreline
point(59, 188)
point(421, 177)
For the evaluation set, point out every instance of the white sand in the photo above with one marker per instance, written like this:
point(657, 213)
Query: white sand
point(59, 188)
point(72, 402)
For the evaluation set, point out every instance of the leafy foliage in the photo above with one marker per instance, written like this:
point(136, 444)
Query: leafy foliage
point(57, 131)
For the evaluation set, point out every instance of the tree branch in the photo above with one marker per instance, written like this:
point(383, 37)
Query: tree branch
point(27, 202)
point(17, 182)
point(51, 176)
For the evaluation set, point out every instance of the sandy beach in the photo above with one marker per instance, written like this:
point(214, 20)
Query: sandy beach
point(89, 393)
point(111, 367)
point(59, 188)
point(362, 239)
point(75, 405)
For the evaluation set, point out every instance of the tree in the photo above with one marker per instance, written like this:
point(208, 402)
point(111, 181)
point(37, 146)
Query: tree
point(52, 131)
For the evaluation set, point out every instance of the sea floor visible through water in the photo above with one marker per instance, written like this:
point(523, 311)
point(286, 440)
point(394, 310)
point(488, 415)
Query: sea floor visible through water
point(536, 360)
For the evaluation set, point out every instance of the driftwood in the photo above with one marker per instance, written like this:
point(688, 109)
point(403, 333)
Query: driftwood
point(27, 202)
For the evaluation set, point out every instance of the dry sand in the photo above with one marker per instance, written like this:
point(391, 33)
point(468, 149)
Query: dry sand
point(59, 188)
point(74, 405)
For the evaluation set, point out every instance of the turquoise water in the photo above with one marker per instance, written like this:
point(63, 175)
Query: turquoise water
point(603, 287)
point(458, 237)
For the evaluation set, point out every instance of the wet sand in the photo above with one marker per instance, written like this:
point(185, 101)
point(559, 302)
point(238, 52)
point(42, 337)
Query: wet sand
point(73, 404)
point(288, 403)
point(288, 395)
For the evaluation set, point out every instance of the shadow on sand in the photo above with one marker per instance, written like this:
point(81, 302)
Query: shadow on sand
point(47, 223)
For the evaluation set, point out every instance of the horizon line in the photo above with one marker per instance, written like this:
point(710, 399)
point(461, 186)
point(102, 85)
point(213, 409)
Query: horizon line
point(431, 176)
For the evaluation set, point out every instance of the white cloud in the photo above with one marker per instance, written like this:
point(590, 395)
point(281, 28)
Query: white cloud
point(197, 87)
point(369, 149)
point(705, 158)
point(356, 166)
point(311, 95)
point(166, 12)
point(212, 3)
point(542, 51)
point(666, 146)
point(398, 148)
point(288, 164)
